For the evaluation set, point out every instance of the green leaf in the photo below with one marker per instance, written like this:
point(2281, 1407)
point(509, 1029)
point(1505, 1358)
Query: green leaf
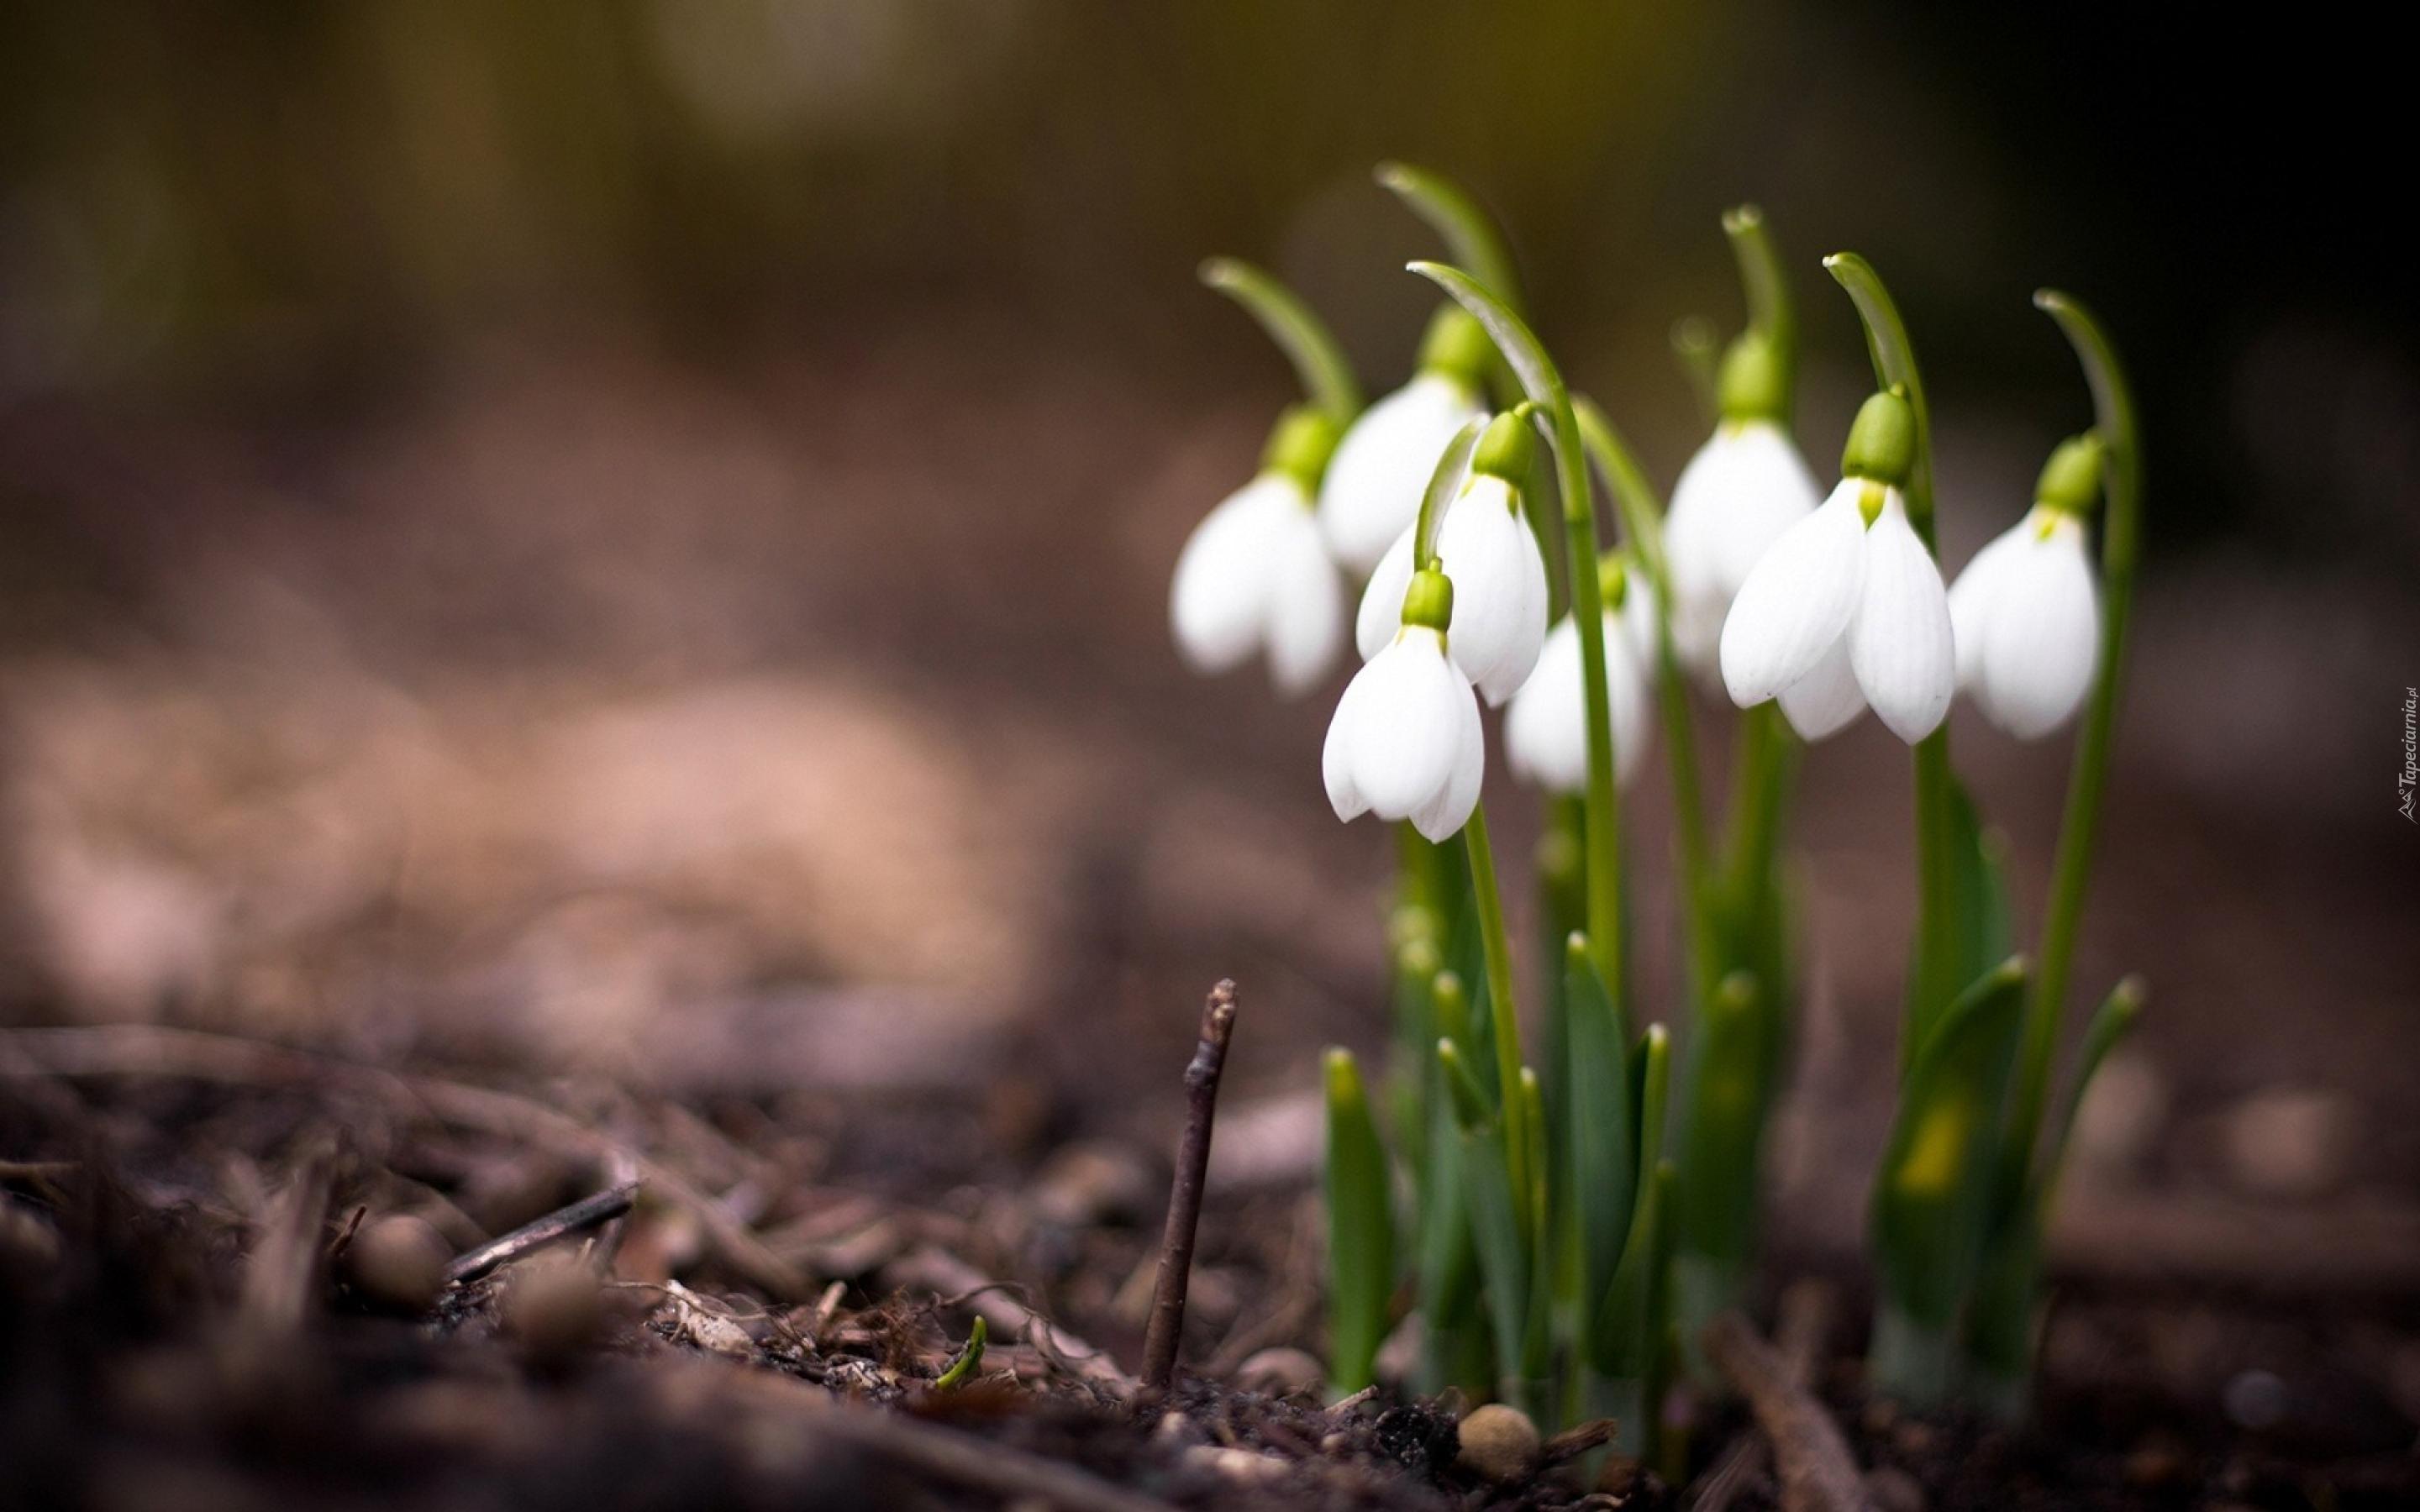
point(1634, 1328)
point(1361, 1229)
point(1447, 1264)
point(2111, 1023)
point(1932, 1203)
point(1627, 1333)
point(1726, 1094)
point(1470, 233)
point(969, 1359)
point(1603, 1122)
point(1319, 363)
point(1979, 932)
point(1469, 1095)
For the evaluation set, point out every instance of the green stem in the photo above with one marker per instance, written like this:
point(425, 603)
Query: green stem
point(1894, 360)
point(1642, 526)
point(1755, 805)
point(1770, 310)
point(1694, 344)
point(2113, 402)
point(1470, 233)
point(1544, 383)
point(1439, 494)
point(1325, 372)
point(1503, 1021)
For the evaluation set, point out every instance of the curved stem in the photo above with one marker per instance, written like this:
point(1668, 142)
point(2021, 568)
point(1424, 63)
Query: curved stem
point(2113, 403)
point(1470, 233)
point(1894, 359)
point(1504, 1023)
point(1642, 525)
point(1325, 372)
point(1543, 382)
point(1439, 494)
point(1770, 310)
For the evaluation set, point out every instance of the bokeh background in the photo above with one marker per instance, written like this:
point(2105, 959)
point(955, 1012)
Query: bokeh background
point(631, 538)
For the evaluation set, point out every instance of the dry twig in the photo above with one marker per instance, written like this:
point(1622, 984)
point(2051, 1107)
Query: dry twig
point(563, 1223)
point(1804, 1323)
point(1818, 1473)
point(1184, 1194)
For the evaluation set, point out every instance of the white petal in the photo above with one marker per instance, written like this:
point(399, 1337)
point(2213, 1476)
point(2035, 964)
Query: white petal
point(1797, 600)
point(1382, 466)
point(1344, 795)
point(1639, 619)
point(1406, 735)
point(1215, 606)
point(1899, 639)
point(1971, 595)
point(1545, 731)
point(1382, 598)
point(1499, 589)
point(2041, 639)
point(1739, 493)
point(1826, 701)
point(1305, 613)
point(1440, 820)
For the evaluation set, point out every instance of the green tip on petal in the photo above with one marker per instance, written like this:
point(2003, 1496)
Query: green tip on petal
point(1882, 441)
point(2071, 480)
point(1508, 449)
point(1429, 600)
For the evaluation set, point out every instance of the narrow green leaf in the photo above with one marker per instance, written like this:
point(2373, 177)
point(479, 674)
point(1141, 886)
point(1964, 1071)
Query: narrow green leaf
point(1447, 1264)
point(1603, 1123)
point(1932, 1195)
point(2111, 1023)
point(1361, 1229)
point(1504, 1262)
point(1319, 363)
point(1624, 1316)
point(1470, 1105)
point(1978, 927)
point(1470, 232)
point(969, 1359)
point(1726, 1093)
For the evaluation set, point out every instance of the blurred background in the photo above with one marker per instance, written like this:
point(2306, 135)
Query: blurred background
point(633, 537)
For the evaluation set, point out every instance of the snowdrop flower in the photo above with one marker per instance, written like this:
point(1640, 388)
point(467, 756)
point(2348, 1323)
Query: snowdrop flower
point(1545, 732)
point(1255, 576)
point(2027, 609)
point(1406, 742)
point(1744, 488)
point(1485, 544)
point(1847, 607)
point(1382, 466)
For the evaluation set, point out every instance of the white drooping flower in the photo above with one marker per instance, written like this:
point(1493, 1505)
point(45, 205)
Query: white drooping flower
point(1406, 741)
point(1847, 609)
point(1485, 545)
point(1255, 576)
point(1545, 731)
point(2027, 608)
point(1383, 464)
point(1745, 486)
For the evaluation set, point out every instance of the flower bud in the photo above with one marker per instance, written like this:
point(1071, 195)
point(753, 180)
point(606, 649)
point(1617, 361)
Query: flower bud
point(1300, 443)
point(1882, 441)
point(2071, 480)
point(1751, 384)
point(1457, 346)
point(1507, 449)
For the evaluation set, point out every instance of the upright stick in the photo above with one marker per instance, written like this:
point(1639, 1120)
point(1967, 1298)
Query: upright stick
point(1185, 1196)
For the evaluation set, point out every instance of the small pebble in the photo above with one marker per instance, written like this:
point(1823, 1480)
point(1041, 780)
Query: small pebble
point(2256, 1400)
point(399, 1263)
point(552, 1305)
point(1242, 1466)
point(2289, 1142)
point(1280, 1371)
point(1498, 1444)
point(1893, 1489)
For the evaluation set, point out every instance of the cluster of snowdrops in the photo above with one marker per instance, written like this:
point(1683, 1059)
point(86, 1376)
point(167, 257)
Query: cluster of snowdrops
point(1562, 1229)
